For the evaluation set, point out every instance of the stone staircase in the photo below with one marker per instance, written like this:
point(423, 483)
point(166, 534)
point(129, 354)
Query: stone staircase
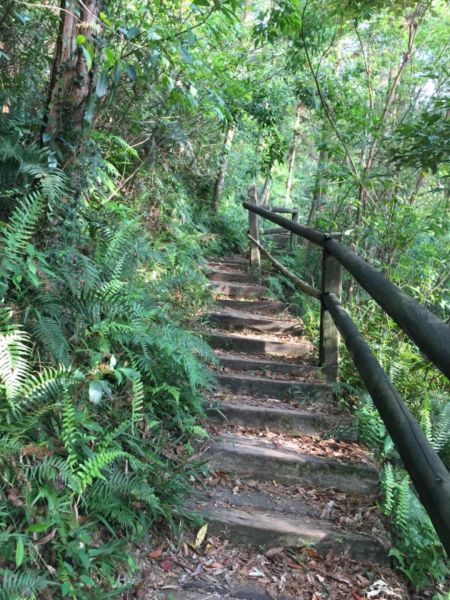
point(290, 496)
point(276, 427)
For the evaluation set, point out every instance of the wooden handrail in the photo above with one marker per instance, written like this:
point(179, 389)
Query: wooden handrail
point(428, 332)
point(428, 473)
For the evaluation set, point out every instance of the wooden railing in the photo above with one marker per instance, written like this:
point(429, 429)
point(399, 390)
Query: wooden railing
point(427, 471)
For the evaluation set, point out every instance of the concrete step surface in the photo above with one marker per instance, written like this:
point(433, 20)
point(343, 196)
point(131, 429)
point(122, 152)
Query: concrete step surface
point(241, 362)
point(260, 307)
point(282, 418)
point(258, 344)
point(231, 319)
point(240, 290)
point(233, 276)
point(275, 388)
point(248, 525)
point(247, 457)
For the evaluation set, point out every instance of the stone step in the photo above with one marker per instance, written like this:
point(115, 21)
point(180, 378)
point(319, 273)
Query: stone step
point(275, 388)
point(281, 419)
point(244, 363)
point(259, 345)
point(197, 589)
point(233, 277)
point(240, 290)
point(253, 458)
point(234, 259)
point(267, 528)
point(235, 319)
point(266, 307)
point(226, 266)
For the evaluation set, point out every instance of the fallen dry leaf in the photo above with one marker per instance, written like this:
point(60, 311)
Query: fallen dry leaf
point(201, 535)
point(155, 554)
point(167, 565)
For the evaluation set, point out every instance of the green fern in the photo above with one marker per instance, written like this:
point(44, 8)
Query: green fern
point(92, 468)
point(137, 402)
point(21, 585)
point(19, 230)
point(14, 356)
point(50, 333)
point(389, 486)
point(69, 434)
point(440, 435)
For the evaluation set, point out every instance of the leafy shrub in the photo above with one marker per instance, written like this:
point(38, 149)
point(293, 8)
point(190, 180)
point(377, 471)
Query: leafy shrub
point(416, 548)
point(99, 399)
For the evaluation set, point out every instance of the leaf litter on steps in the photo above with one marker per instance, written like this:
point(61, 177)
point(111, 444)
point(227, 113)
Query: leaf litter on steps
point(218, 569)
point(304, 444)
point(295, 403)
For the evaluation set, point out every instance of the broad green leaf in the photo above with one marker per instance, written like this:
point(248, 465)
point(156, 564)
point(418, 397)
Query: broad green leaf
point(102, 84)
point(38, 527)
point(185, 55)
point(90, 109)
point(20, 552)
point(81, 39)
point(153, 35)
point(110, 57)
point(104, 18)
point(87, 56)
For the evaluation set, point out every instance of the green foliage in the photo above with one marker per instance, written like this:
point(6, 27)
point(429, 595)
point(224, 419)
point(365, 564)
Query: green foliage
point(424, 143)
point(87, 447)
point(417, 551)
point(416, 548)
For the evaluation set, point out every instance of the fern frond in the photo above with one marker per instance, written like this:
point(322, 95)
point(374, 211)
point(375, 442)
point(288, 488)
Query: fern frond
point(389, 488)
point(402, 512)
point(14, 355)
point(45, 385)
point(69, 433)
point(440, 436)
point(92, 468)
point(137, 402)
point(20, 228)
point(49, 332)
point(21, 585)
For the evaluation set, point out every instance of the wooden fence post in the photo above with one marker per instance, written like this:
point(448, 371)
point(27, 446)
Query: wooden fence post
point(253, 228)
point(293, 238)
point(329, 334)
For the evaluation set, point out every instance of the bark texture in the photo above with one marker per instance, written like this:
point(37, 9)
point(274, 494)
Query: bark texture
point(72, 72)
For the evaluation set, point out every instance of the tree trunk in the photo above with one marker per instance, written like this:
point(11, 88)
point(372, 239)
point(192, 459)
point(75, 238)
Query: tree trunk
point(72, 72)
point(220, 179)
point(292, 153)
point(318, 188)
point(265, 193)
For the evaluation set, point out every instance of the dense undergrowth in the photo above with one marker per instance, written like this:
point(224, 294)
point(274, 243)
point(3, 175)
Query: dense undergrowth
point(101, 381)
